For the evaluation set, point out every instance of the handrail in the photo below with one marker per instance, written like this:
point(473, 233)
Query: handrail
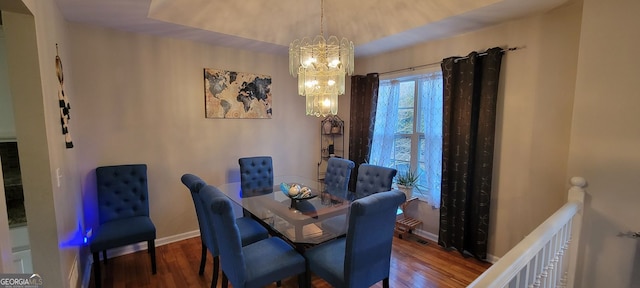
point(539, 258)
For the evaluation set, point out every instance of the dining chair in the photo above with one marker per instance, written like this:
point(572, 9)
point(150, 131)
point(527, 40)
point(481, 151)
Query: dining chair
point(256, 178)
point(336, 183)
point(250, 230)
point(362, 258)
point(336, 179)
point(254, 265)
point(373, 179)
point(123, 213)
point(256, 173)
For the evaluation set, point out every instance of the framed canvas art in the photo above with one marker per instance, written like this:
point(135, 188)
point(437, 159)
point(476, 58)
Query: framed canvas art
point(236, 95)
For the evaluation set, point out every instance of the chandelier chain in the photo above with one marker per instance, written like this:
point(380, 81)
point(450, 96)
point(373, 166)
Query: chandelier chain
point(322, 18)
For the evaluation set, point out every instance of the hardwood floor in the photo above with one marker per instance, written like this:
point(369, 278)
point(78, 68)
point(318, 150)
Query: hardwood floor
point(413, 264)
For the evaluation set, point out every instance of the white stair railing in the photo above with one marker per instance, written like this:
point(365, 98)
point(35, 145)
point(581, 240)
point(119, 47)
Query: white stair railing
point(547, 256)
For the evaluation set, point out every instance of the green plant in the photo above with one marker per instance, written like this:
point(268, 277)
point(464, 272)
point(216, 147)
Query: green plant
point(408, 178)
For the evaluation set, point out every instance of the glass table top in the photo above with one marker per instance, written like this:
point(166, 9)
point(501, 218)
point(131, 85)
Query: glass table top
point(320, 218)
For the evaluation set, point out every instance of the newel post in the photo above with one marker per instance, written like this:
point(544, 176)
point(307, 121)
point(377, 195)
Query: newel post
point(576, 195)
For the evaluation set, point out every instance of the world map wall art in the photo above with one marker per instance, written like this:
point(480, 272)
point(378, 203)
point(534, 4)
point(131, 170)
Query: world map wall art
point(236, 95)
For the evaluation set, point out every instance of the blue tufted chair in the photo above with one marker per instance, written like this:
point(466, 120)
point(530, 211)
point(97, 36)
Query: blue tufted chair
point(336, 182)
point(256, 173)
point(254, 265)
point(123, 213)
point(336, 179)
point(373, 179)
point(363, 257)
point(250, 230)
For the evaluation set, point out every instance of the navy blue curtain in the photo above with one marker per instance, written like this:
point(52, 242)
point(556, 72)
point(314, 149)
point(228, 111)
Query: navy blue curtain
point(364, 99)
point(469, 113)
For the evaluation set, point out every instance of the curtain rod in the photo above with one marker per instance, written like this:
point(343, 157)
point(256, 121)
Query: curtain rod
point(412, 68)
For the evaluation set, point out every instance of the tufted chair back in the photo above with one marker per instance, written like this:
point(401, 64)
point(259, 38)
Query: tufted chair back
point(220, 214)
point(256, 173)
point(250, 230)
point(369, 238)
point(373, 179)
point(123, 212)
point(362, 258)
point(336, 179)
point(265, 261)
point(122, 192)
point(195, 183)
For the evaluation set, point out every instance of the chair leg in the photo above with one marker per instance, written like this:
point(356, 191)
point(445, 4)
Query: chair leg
point(302, 280)
point(307, 275)
point(216, 270)
point(104, 256)
point(151, 247)
point(385, 282)
point(225, 280)
point(203, 258)
point(96, 269)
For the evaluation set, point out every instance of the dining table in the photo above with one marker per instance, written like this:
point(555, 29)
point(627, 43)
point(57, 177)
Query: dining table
point(301, 221)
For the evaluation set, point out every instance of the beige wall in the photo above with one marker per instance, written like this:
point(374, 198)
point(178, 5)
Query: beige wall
point(604, 142)
point(54, 211)
point(7, 126)
point(533, 121)
point(140, 99)
point(7, 131)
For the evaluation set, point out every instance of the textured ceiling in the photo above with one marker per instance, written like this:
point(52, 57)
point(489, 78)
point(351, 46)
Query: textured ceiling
point(375, 26)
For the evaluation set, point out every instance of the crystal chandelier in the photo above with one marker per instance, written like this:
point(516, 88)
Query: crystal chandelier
point(321, 67)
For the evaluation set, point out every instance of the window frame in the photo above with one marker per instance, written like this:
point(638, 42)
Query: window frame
point(416, 135)
point(416, 159)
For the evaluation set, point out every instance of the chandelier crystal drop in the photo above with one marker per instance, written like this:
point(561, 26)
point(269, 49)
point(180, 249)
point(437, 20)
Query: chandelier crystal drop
point(321, 66)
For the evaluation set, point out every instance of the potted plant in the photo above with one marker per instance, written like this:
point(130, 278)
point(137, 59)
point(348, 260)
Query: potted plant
point(407, 180)
point(332, 125)
point(336, 125)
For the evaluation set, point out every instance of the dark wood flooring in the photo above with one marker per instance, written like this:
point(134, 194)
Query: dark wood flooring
point(414, 263)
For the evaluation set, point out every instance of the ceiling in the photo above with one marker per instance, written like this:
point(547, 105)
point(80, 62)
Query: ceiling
point(374, 26)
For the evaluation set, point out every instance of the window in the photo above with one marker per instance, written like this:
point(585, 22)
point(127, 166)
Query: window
point(407, 131)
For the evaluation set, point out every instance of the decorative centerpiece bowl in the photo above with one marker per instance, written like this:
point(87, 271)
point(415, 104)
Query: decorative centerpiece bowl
point(296, 191)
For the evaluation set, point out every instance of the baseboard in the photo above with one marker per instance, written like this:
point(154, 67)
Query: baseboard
point(73, 273)
point(143, 245)
point(433, 237)
point(187, 235)
point(492, 259)
point(86, 276)
point(134, 248)
point(426, 235)
point(178, 237)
